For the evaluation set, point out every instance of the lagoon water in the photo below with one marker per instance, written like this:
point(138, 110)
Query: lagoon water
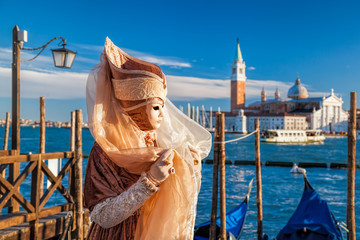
point(281, 190)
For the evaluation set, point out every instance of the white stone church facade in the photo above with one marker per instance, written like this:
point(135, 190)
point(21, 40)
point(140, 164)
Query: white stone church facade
point(325, 113)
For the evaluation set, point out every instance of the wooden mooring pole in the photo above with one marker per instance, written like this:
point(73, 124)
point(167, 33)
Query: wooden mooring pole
point(72, 149)
point(258, 181)
point(203, 116)
point(210, 120)
point(42, 138)
point(72, 170)
point(6, 132)
point(78, 177)
point(350, 209)
point(221, 126)
point(219, 160)
point(212, 234)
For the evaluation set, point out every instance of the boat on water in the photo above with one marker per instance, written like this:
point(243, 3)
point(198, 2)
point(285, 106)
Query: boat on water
point(312, 219)
point(235, 219)
point(292, 136)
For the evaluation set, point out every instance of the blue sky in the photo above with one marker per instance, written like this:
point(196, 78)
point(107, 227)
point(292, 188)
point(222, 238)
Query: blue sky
point(193, 42)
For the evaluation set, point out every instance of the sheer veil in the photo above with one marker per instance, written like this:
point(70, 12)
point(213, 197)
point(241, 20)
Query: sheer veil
point(172, 207)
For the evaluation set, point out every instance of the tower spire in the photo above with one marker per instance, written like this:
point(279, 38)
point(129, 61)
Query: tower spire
point(263, 95)
point(277, 93)
point(238, 56)
point(238, 79)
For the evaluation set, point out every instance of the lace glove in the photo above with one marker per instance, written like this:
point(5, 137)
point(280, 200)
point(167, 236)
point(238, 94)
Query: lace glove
point(160, 170)
point(114, 210)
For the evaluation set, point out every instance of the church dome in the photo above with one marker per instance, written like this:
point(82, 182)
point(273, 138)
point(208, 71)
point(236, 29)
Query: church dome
point(298, 91)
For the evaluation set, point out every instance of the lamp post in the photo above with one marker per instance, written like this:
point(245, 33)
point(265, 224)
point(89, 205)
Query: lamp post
point(63, 58)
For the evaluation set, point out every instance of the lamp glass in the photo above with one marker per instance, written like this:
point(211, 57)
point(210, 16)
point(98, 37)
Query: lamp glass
point(70, 56)
point(59, 58)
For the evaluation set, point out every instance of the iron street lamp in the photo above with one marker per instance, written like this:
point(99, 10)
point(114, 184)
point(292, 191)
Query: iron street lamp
point(63, 58)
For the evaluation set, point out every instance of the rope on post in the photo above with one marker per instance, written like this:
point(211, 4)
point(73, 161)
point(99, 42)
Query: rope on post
point(238, 139)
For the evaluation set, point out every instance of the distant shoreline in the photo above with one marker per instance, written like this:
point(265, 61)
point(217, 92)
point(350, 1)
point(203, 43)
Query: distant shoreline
point(34, 124)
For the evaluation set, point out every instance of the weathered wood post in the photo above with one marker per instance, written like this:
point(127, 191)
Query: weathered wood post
point(214, 202)
point(72, 169)
point(203, 115)
point(72, 149)
point(189, 110)
point(210, 120)
point(35, 198)
point(197, 114)
point(5, 147)
point(221, 153)
point(14, 168)
point(258, 180)
point(350, 208)
point(6, 132)
point(78, 177)
point(219, 160)
point(193, 113)
point(42, 138)
point(72, 132)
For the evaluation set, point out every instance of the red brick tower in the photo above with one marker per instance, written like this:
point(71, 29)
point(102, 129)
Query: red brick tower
point(238, 79)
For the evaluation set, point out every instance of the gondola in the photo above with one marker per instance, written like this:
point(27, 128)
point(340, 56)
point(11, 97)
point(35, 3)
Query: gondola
point(235, 219)
point(312, 220)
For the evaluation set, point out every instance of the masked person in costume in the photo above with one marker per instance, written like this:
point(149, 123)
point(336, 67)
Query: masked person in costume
point(144, 170)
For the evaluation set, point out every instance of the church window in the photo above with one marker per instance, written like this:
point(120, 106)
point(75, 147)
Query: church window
point(233, 70)
point(240, 70)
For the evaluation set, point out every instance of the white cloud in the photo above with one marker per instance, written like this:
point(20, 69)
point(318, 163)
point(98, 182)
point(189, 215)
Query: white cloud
point(187, 88)
point(47, 61)
point(67, 85)
point(56, 84)
point(254, 87)
point(251, 68)
point(162, 61)
point(184, 88)
point(89, 47)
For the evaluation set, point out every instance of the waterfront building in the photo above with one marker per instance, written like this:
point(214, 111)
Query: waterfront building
point(235, 123)
point(284, 121)
point(296, 111)
point(324, 113)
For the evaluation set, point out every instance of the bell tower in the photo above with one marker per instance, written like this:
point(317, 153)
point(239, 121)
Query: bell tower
point(238, 79)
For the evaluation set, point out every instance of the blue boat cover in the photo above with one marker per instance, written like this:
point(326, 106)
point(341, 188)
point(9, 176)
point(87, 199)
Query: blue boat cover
point(312, 220)
point(234, 221)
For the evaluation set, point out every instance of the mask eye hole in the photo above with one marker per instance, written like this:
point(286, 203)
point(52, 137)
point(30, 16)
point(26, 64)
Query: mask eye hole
point(156, 108)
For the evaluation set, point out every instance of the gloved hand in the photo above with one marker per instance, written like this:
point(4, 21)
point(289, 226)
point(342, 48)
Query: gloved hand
point(160, 169)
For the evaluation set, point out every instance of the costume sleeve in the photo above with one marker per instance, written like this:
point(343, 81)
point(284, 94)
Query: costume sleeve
point(114, 210)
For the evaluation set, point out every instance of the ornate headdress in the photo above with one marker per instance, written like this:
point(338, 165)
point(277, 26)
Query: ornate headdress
point(132, 78)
